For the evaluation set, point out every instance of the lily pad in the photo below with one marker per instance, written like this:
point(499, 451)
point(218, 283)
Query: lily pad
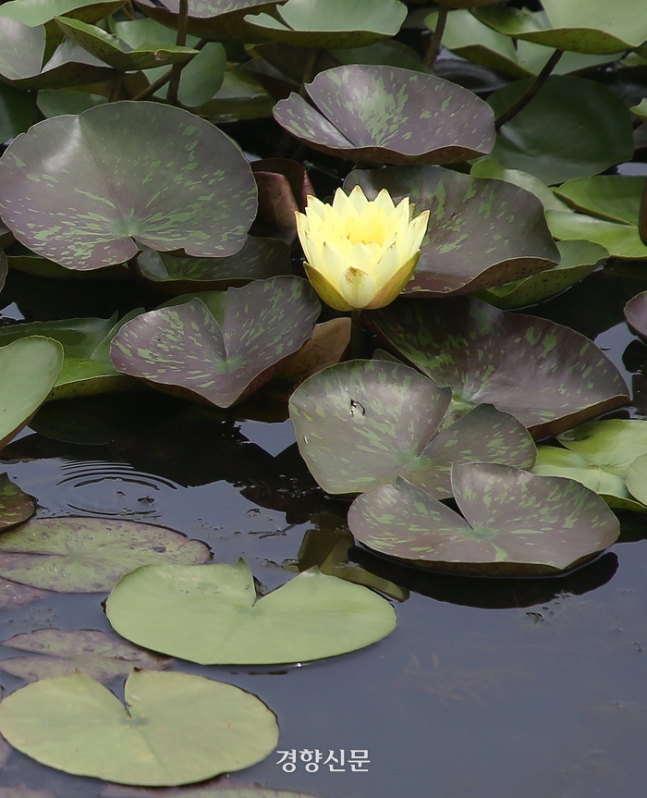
point(515, 523)
point(38, 12)
point(59, 653)
point(259, 259)
point(22, 49)
point(4, 268)
point(111, 50)
point(17, 112)
point(223, 348)
point(548, 376)
point(14, 595)
point(215, 789)
point(22, 791)
point(490, 167)
point(131, 180)
point(87, 368)
point(331, 23)
point(615, 198)
point(636, 313)
point(89, 555)
point(637, 480)
point(389, 115)
point(572, 128)
point(28, 370)
point(620, 240)
point(216, 20)
point(190, 612)
point(15, 505)
point(579, 25)
point(640, 110)
point(56, 102)
point(481, 232)
point(578, 258)
point(362, 423)
point(176, 728)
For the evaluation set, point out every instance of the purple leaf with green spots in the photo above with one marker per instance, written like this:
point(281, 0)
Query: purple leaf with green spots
point(546, 375)
point(363, 423)
point(389, 115)
point(128, 174)
point(481, 232)
point(15, 505)
point(514, 524)
point(636, 313)
point(222, 346)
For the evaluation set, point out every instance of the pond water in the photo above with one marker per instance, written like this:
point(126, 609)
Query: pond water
point(487, 688)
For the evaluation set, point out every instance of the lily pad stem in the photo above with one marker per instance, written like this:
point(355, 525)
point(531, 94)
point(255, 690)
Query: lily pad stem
point(180, 41)
point(521, 102)
point(355, 334)
point(164, 79)
point(115, 91)
point(436, 38)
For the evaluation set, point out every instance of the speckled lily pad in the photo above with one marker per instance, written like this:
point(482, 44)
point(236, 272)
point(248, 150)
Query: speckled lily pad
point(15, 505)
point(546, 375)
point(223, 348)
point(636, 313)
point(133, 182)
point(481, 232)
point(515, 523)
point(389, 115)
point(89, 555)
point(363, 423)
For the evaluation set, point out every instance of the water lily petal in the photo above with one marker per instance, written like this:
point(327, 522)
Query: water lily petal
point(330, 295)
point(357, 287)
point(393, 287)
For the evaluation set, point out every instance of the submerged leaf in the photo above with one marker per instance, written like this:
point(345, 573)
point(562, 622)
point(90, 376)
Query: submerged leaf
point(15, 505)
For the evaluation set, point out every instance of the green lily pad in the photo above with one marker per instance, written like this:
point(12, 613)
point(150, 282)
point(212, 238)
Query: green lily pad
point(636, 313)
point(389, 115)
point(56, 102)
point(22, 49)
point(637, 480)
point(553, 461)
point(579, 25)
point(17, 112)
point(176, 728)
point(28, 370)
point(546, 375)
point(640, 110)
point(579, 258)
point(259, 259)
point(89, 555)
point(216, 20)
point(481, 232)
point(490, 167)
point(572, 128)
point(59, 653)
point(515, 523)
point(620, 240)
point(470, 38)
point(223, 348)
point(240, 98)
point(131, 180)
point(615, 198)
point(111, 50)
point(331, 23)
point(190, 612)
point(15, 505)
point(38, 12)
point(362, 423)
point(87, 368)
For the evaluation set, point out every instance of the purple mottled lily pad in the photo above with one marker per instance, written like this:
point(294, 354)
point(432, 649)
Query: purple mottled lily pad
point(22, 790)
point(15, 505)
point(514, 524)
point(13, 594)
point(481, 232)
point(127, 174)
point(60, 653)
point(223, 348)
point(636, 313)
point(389, 115)
point(89, 555)
point(215, 20)
point(546, 375)
point(259, 259)
point(363, 423)
point(216, 788)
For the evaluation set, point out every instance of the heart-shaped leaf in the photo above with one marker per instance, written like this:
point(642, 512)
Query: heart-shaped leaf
point(28, 370)
point(222, 351)
point(59, 653)
point(15, 505)
point(389, 115)
point(119, 190)
point(38, 12)
point(259, 259)
point(601, 27)
point(191, 612)
point(481, 232)
point(515, 523)
point(578, 258)
point(637, 480)
point(331, 23)
point(89, 555)
point(572, 128)
point(546, 375)
point(176, 728)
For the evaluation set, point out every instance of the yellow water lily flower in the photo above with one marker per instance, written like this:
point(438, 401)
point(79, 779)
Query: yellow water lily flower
point(360, 253)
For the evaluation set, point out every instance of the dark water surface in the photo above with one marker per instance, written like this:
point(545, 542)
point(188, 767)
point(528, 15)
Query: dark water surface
point(487, 689)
